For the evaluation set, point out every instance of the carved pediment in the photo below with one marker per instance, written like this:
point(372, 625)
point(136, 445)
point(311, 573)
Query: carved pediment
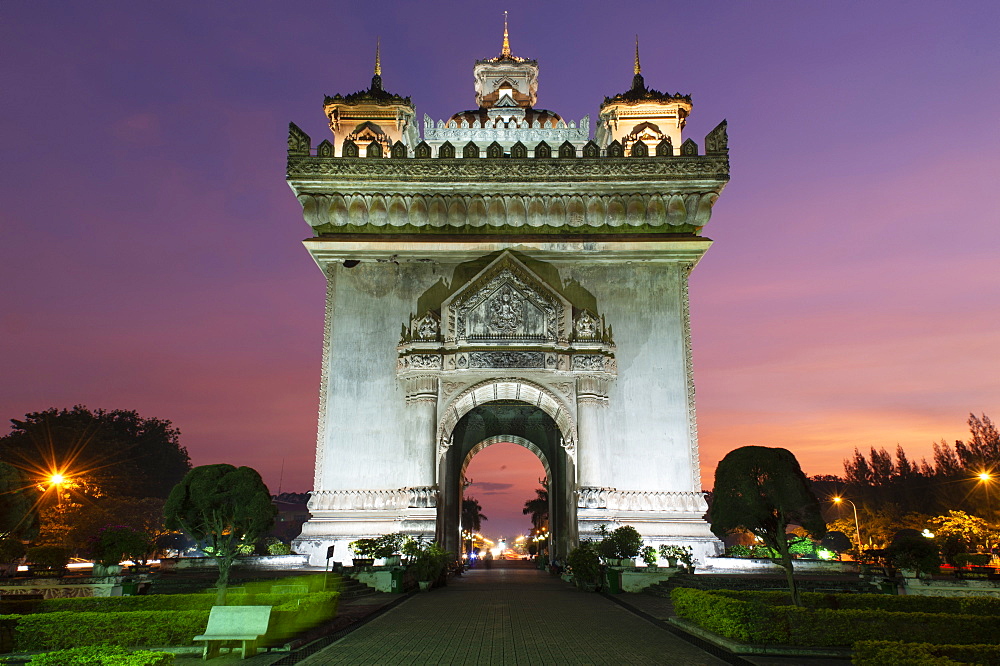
point(506, 302)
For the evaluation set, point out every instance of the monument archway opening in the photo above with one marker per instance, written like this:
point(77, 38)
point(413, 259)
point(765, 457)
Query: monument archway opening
point(501, 474)
point(520, 423)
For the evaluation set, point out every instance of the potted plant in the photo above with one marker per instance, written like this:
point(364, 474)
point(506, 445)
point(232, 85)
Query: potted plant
point(648, 554)
point(621, 546)
point(388, 547)
point(682, 554)
point(585, 565)
point(11, 551)
point(669, 553)
point(47, 561)
point(365, 551)
point(427, 563)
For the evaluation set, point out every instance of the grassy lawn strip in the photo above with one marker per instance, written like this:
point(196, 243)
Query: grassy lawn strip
point(753, 618)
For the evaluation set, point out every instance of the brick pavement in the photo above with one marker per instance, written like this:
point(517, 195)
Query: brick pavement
point(510, 616)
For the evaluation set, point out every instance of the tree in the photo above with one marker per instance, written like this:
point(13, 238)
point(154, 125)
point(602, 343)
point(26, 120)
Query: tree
point(472, 515)
point(538, 508)
point(103, 452)
point(18, 504)
point(763, 490)
point(223, 507)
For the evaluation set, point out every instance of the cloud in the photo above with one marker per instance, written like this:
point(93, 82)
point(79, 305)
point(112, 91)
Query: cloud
point(491, 487)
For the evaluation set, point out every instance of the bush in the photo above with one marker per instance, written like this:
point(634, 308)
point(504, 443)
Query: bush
point(972, 559)
point(54, 557)
point(739, 550)
point(915, 552)
point(61, 630)
point(752, 618)
point(881, 653)
point(276, 546)
point(115, 543)
point(584, 563)
point(102, 656)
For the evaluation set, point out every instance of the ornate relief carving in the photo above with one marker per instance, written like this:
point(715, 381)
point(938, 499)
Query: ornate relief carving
point(587, 326)
point(566, 388)
point(505, 303)
point(689, 372)
point(593, 363)
point(592, 390)
point(421, 388)
point(299, 142)
point(507, 359)
point(505, 311)
point(419, 362)
point(324, 374)
point(639, 500)
point(425, 328)
point(448, 388)
point(717, 141)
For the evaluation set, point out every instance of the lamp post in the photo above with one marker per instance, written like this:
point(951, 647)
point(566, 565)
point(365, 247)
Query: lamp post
point(857, 526)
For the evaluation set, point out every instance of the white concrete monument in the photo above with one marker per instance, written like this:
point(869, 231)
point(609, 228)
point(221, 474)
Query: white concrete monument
point(506, 279)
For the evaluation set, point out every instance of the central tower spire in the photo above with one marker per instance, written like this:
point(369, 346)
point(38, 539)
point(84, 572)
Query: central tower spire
point(505, 50)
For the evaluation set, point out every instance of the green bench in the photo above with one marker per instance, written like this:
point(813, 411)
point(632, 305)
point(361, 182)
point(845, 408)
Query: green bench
point(234, 623)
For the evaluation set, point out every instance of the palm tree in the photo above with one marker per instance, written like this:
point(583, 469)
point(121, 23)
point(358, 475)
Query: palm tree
point(538, 508)
point(472, 515)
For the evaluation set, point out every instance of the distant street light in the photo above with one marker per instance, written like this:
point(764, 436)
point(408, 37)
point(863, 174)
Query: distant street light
point(985, 478)
point(857, 526)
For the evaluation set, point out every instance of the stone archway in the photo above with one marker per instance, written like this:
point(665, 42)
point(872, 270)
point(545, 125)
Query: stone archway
point(517, 411)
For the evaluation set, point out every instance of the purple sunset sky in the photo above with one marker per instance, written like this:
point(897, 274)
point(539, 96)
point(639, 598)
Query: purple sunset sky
point(151, 257)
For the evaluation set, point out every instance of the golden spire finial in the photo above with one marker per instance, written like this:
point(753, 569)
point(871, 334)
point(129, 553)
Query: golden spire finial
point(638, 68)
point(505, 51)
point(378, 56)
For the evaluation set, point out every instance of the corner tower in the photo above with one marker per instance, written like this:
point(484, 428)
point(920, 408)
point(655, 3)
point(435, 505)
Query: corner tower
point(508, 278)
point(643, 115)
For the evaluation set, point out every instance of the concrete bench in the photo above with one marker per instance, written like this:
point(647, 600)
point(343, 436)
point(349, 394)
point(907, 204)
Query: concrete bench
point(234, 623)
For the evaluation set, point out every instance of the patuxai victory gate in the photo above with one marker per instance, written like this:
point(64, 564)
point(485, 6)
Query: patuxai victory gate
point(503, 276)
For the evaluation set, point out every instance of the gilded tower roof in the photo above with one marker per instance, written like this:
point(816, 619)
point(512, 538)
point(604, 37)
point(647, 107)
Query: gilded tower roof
point(375, 94)
point(640, 93)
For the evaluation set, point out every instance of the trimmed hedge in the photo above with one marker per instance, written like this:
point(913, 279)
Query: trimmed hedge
point(760, 622)
point(987, 606)
point(102, 656)
point(59, 629)
point(64, 629)
point(892, 653)
point(149, 602)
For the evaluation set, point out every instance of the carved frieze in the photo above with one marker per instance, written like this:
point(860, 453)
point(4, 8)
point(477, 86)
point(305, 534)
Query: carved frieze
point(507, 359)
point(448, 210)
point(373, 500)
point(639, 500)
point(686, 166)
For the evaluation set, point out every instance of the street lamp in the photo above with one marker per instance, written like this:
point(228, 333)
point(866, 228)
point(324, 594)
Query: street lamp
point(857, 526)
point(57, 480)
point(985, 478)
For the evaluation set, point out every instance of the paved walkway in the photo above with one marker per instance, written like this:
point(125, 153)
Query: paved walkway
point(507, 616)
